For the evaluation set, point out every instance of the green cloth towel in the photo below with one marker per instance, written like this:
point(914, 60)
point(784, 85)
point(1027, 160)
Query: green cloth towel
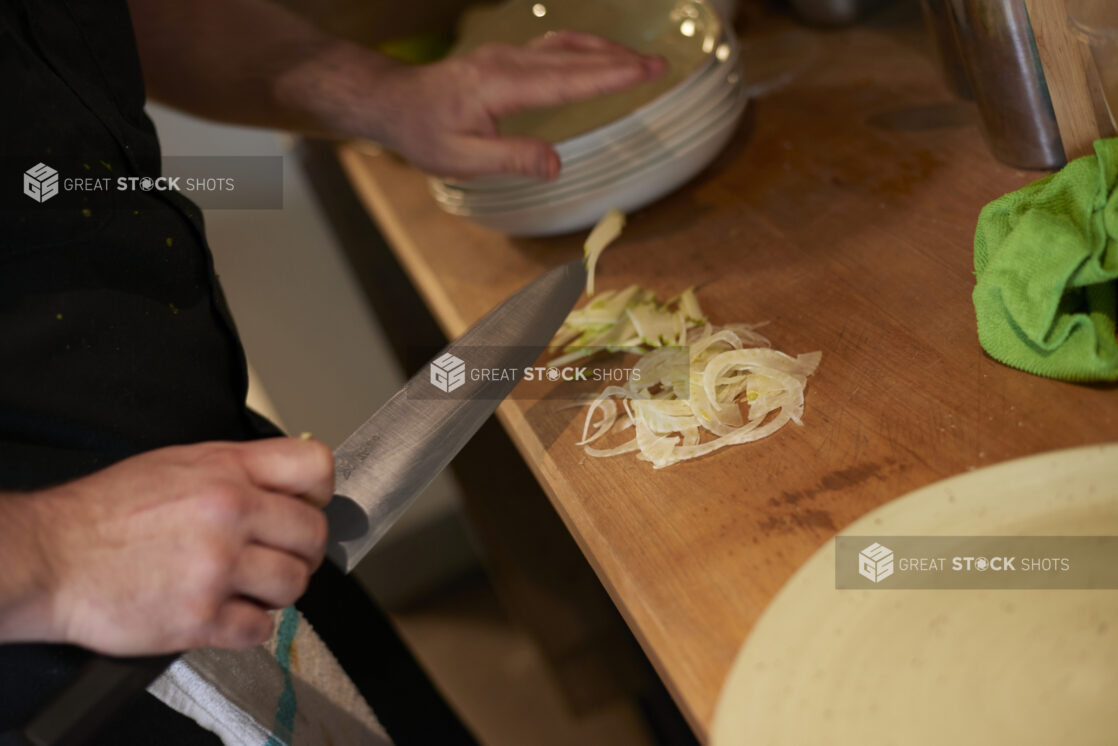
point(1046, 260)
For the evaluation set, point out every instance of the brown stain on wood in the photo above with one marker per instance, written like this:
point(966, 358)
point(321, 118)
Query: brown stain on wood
point(789, 515)
point(799, 520)
point(835, 481)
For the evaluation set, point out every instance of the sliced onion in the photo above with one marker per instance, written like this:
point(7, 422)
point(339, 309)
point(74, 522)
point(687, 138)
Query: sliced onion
point(727, 367)
point(609, 414)
point(607, 452)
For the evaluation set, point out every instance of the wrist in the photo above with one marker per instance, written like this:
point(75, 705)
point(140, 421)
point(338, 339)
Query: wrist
point(27, 584)
point(339, 89)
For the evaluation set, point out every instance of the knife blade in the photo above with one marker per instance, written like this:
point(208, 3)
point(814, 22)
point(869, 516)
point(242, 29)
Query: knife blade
point(388, 461)
point(380, 470)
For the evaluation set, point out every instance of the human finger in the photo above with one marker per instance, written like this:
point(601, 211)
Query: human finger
point(551, 79)
point(474, 156)
point(273, 578)
point(577, 40)
point(288, 524)
point(240, 623)
point(293, 466)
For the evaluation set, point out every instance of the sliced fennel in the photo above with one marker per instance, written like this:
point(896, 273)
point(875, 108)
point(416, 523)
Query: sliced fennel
point(656, 325)
point(631, 319)
point(601, 235)
point(628, 320)
point(680, 394)
point(689, 304)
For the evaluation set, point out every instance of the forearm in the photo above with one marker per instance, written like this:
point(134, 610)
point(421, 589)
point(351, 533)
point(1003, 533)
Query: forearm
point(25, 574)
point(253, 62)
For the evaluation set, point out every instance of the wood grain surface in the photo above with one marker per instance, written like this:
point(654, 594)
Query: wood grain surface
point(843, 214)
point(1077, 96)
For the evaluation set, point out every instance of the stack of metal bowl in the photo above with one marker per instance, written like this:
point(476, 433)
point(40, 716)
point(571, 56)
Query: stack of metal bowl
point(623, 150)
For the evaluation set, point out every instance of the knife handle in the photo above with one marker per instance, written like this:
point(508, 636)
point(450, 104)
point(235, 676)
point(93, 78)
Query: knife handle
point(100, 690)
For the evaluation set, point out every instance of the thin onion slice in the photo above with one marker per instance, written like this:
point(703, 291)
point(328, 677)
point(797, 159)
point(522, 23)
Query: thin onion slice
point(676, 400)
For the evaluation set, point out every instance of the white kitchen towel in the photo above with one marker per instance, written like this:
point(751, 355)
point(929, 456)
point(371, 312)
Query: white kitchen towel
point(288, 692)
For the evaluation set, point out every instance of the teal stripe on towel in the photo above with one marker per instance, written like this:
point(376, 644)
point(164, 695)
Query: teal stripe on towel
point(284, 727)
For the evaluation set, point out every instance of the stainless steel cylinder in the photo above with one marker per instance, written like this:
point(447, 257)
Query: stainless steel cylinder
point(937, 17)
point(1005, 74)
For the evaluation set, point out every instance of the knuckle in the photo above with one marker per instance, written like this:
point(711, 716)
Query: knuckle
point(213, 565)
point(467, 69)
point(223, 504)
point(223, 458)
point(298, 577)
point(319, 530)
point(201, 612)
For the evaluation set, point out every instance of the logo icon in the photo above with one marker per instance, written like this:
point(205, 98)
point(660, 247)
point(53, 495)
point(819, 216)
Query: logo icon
point(875, 562)
point(448, 372)
point(40, 182)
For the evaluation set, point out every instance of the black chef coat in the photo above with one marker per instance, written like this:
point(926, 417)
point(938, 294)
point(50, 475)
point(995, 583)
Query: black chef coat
point(115, 339)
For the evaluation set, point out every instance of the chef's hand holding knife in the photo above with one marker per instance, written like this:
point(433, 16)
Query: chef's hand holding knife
point(173, 549)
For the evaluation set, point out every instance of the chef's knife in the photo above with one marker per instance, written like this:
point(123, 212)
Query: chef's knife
point(379, 471)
